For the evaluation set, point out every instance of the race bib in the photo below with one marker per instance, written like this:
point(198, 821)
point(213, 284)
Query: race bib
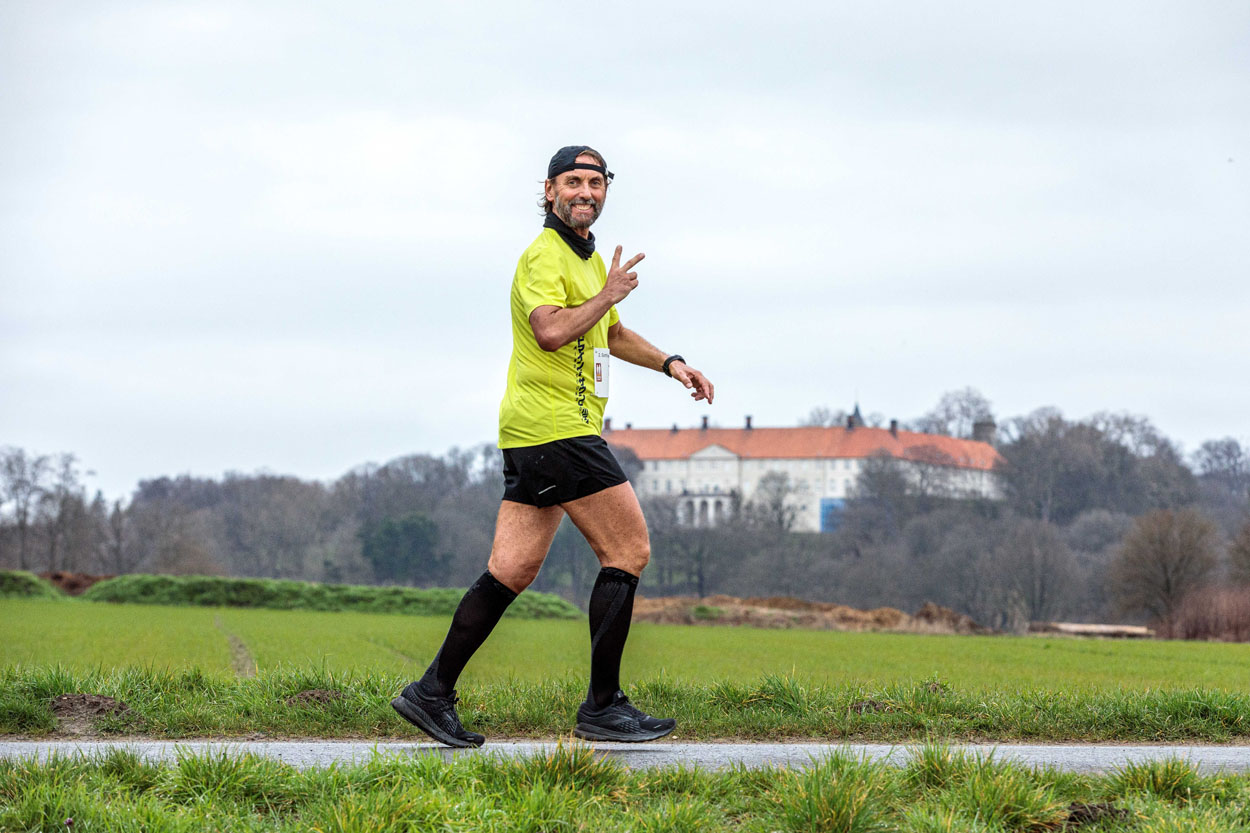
point(601, 372)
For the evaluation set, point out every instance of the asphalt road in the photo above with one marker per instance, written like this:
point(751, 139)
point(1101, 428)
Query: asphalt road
point(314, 753)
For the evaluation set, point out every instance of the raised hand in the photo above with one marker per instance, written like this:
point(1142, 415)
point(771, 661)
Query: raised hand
point(621, 281)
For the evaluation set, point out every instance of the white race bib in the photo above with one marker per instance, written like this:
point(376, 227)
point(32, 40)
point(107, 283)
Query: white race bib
point(601, 372)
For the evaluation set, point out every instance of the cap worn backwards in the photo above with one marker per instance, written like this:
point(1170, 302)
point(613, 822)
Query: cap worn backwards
point(565, 160)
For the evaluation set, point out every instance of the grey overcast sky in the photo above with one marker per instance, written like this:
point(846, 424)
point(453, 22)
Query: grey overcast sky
point(280, 235)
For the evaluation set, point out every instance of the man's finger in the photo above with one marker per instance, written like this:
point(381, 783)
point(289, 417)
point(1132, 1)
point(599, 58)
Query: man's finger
point(616, 258)
point(632, 262)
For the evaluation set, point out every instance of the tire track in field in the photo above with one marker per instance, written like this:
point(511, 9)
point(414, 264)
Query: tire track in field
point(240, 657)
point(380, 644)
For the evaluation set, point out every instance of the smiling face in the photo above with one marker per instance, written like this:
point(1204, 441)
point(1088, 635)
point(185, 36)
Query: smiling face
point(577, 196)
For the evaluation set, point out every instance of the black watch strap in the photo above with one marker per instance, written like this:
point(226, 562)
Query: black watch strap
point(670, 360)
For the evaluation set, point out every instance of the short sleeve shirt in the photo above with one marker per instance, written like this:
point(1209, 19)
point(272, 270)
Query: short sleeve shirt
point(551, 395)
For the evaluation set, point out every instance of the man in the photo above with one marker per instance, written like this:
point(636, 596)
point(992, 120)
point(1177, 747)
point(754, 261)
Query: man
point(565, 326)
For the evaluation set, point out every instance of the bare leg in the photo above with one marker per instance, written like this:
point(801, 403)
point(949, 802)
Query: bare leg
point(613, 524)
point(523, 534)
point(614, 527)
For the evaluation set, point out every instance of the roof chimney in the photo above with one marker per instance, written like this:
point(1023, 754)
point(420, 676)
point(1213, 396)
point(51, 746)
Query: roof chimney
point(894, 428)
point(985, 431)
point(607, 423)
point(748, 422)
point(850, 423)
point(628, 425)
point(705, 423)
point(674, 428)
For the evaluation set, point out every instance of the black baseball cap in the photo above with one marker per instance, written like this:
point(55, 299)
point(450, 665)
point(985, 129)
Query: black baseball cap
point(566, 160)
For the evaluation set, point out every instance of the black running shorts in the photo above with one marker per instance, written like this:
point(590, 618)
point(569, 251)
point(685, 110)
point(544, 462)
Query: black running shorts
point(560, 471)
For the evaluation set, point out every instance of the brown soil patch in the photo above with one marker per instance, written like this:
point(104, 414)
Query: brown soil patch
point(947, 619)
point(315, 697)
point(1080, 813)
point(871, 707)
point(72, 584)
point(76, 713)
point(787, 612)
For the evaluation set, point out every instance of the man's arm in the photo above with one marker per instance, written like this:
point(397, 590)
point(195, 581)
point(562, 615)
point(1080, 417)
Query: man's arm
point(555, 326)
point(628, 346)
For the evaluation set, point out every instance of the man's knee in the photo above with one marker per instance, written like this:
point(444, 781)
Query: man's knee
point(643, 554)
point(515, 576)
point(631, 559)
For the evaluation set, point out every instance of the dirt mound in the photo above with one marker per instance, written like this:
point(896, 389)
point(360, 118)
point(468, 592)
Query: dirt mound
point(948, 621)
point(315, 697)
point(76, 713)
point(1080, 813)
point(72, 583)
point(787, 612)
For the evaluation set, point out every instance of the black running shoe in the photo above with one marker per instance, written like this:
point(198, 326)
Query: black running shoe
point(436, 716)
point(620, 721)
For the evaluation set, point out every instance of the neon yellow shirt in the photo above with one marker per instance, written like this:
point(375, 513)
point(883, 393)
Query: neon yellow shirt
point(551, 395)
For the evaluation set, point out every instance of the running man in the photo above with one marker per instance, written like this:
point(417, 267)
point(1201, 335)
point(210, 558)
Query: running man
point(564, 329)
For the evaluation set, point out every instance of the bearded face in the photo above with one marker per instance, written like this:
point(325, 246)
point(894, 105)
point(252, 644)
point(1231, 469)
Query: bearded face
point(579, 212)
point(577, 196)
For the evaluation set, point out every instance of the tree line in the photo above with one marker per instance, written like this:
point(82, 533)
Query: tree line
point(1103, 519)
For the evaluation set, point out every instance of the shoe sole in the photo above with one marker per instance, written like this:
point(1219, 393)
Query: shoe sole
point(585, 731)
point(417, 717)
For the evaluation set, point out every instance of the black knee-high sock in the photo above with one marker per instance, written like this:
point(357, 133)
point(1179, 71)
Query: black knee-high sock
point(611, 608)
point(476, 616)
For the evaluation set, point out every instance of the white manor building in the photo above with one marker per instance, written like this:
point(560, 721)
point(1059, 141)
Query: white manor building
point(705, 468)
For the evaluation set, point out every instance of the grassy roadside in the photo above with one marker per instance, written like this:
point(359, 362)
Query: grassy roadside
point(191, 703)
point(572, 789)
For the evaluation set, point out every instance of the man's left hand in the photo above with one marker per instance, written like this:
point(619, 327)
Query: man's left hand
point(700, 387)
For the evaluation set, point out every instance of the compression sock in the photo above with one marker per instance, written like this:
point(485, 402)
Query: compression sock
point(611, 608)
point(476, 616)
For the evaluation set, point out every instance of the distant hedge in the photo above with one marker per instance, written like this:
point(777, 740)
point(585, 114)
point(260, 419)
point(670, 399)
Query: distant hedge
point(22, 583)
point(216, 591)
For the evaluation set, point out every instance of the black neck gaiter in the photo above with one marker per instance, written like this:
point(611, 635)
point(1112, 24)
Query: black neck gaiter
point(583, 246)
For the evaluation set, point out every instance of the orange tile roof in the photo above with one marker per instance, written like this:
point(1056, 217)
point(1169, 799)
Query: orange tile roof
point(789, 443)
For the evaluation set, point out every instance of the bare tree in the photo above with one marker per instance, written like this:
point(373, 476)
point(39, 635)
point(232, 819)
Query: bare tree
point(1056, 469)
point(772, 504)
point(822, 416)
point(118, 554)
point(956, 413)
point(1168, 554)
point(61, 509)
point(1239, 554)
point(1226, 463)
point(1040, 568)
point(24, 481)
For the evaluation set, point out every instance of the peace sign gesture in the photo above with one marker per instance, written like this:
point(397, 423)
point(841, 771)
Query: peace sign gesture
point(621, 281)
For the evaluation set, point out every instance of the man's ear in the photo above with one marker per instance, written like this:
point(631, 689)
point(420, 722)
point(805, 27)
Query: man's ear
point(549, 189)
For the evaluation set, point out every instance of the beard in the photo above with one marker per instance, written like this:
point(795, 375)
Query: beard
point(564, 210)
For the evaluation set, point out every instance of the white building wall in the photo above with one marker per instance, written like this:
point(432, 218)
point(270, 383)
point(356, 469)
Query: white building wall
point(713, 474)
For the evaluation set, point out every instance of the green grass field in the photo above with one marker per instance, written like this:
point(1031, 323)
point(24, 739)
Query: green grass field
point(179, 669)
point(81, 635)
